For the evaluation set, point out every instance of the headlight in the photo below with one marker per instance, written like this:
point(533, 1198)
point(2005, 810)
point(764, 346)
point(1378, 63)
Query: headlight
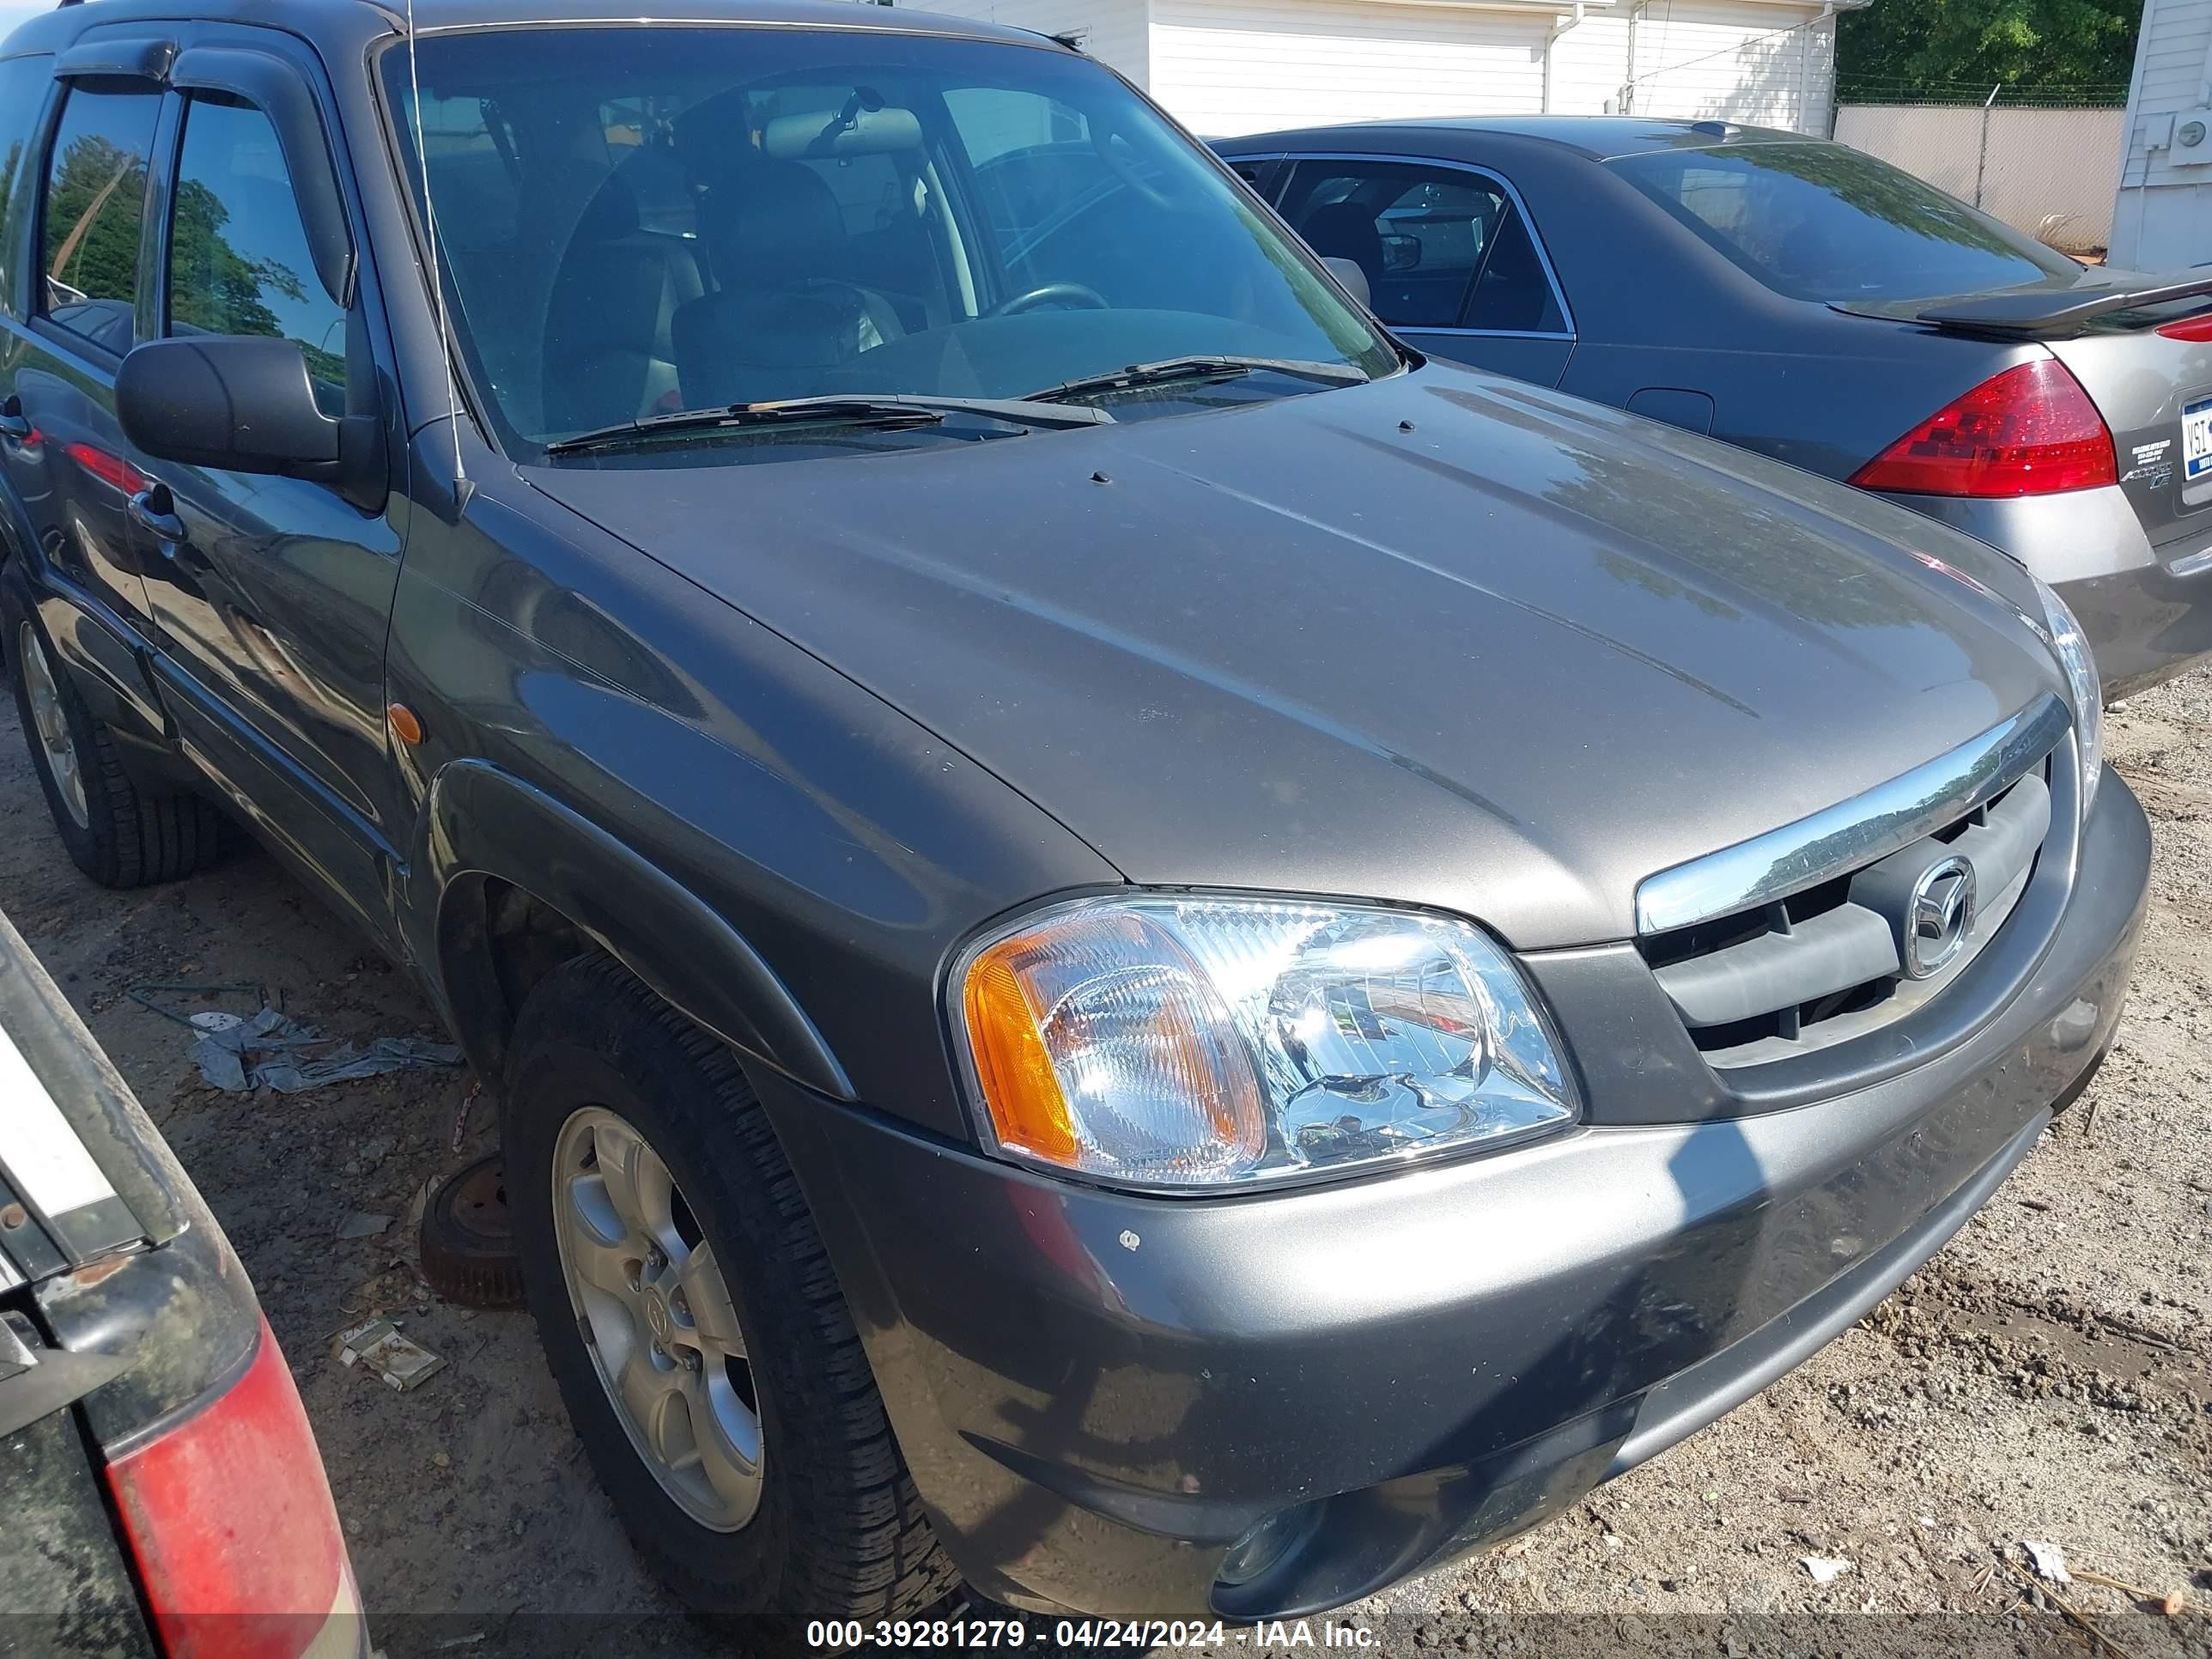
point(1193, 1042)
point(2082, 684)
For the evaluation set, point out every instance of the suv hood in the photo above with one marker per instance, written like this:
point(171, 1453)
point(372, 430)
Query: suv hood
point(1441, 639)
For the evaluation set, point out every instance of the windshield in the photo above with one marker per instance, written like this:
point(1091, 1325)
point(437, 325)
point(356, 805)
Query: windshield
point(639, 222)
point(1822, 222)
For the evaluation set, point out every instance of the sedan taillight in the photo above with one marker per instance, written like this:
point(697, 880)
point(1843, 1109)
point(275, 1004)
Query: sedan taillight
point(2029, 431)
point(231, 1524)
point(2198, 331)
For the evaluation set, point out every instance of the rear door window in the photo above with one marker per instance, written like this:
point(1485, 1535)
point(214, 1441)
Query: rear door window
point(1824, 222)
point(23, 83)
point(238, 261)
point(94, 208)
point(1419, 234)
point(1441, 248)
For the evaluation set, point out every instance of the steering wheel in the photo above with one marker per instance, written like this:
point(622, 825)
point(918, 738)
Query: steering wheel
point(1080, 295)
point(1118, 153)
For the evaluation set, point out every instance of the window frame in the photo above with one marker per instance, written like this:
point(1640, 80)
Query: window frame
point(1290, 160)
point(312, 119)
point(24, 249)
point(32, 285)
point(177, 132)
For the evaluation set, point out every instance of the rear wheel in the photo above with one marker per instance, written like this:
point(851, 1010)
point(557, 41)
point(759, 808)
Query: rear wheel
point(116, 833)
point(690, 1316)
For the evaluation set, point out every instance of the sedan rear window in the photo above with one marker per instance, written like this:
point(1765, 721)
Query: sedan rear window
point(1822, 222)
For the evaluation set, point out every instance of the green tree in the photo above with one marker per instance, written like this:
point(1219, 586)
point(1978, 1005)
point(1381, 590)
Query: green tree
point(212, 285)
point(93, 216)
point(1940, 48)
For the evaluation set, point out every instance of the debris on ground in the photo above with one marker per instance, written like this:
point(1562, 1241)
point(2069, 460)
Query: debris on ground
point(362, 1224)
point(461, 1117)
point(1825, 1569)
point(2172, 1603)
point(270, 1049)
point(2050, 1560)
point(379, 1348)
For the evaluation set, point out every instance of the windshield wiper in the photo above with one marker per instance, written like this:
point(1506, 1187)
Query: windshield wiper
point(882, 411)
point(1210, 367)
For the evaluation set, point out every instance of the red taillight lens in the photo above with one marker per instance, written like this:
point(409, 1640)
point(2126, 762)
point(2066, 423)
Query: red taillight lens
point(2198, 331)
point(2029, 431)
point(231, 1523)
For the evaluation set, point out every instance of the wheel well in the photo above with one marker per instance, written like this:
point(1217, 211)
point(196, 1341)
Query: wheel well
point(498, 941)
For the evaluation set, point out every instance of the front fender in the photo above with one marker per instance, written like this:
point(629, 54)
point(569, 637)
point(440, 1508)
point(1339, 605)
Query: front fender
point(484, 823)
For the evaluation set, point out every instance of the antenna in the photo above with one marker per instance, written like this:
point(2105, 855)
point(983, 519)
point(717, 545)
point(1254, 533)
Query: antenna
point(437, 280)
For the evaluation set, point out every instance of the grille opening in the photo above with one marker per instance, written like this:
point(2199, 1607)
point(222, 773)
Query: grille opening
point(1661, 949)
point(1813, 1023)
point(1789, 1024)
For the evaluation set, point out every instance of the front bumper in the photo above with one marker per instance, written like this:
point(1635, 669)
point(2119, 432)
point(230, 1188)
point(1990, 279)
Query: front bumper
point(1098, 1392)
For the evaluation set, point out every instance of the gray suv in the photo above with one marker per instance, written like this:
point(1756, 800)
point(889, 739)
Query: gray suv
point(1139, 949)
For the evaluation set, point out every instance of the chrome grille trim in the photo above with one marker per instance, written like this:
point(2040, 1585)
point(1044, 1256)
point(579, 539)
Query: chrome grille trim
point(1854, 833)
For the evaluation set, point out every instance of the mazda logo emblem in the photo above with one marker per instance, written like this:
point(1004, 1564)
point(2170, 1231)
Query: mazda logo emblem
point(1938, 917)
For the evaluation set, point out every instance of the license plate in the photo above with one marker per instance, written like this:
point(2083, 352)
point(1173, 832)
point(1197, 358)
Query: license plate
point(2196, 441)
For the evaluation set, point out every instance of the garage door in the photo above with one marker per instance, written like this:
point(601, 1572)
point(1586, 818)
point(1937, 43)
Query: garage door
point(1765, 65)
point(1224, 68)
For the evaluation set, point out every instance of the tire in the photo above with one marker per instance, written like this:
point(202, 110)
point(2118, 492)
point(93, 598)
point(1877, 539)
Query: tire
point(467, 1239)
point(837, 1531)
point(118, 834)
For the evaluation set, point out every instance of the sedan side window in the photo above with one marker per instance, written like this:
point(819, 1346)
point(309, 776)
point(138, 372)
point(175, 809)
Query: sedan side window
point(1513, 292)
point(1441, 248)
point(239, 260)
point(1419, 234)
point(96, 203)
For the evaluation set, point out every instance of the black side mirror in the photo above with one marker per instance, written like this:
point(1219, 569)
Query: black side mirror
point(244, 404)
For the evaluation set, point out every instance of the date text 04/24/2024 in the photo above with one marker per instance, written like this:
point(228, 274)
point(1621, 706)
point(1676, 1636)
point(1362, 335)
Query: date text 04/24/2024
point(1129, 1635)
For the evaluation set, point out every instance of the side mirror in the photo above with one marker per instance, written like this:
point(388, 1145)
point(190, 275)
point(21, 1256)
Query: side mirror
point(244, 404)
point(1401, 252)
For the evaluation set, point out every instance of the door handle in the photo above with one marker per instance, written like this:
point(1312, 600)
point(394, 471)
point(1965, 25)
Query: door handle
point(155, 510)
point(15, 425)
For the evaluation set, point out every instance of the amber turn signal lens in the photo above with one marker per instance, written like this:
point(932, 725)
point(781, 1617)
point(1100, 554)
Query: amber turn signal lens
point(1019, 1086)
point(1101, 1046)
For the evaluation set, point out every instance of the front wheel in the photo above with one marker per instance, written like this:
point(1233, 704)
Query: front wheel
point(690, 1316)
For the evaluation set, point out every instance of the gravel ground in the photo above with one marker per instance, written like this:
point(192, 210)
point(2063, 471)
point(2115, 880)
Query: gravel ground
point(2048, 1377)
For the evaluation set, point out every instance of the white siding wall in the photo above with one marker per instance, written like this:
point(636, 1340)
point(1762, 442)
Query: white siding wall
point(1223, 67)
point(1589, 64)
point(1735, 63)
point(1113, 31)
point(2164, 215)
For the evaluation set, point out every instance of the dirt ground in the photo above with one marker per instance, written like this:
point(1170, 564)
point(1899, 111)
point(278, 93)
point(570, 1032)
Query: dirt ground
point(2048, 1377)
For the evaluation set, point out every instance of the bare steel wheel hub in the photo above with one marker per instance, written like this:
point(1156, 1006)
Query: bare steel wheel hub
point(52, 723)
point(655, 1312)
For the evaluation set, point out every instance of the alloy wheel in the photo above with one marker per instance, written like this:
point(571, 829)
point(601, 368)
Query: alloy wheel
point(656, 1314)
point(51, 723)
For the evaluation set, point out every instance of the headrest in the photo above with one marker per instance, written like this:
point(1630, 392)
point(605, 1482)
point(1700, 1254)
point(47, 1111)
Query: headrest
point(773, 221)
point(1345, 230)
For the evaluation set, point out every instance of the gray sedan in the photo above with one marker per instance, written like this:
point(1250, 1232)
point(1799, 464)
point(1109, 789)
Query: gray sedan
point(1804, 299)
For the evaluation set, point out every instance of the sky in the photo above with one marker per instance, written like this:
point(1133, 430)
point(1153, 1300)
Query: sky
point(12, 13)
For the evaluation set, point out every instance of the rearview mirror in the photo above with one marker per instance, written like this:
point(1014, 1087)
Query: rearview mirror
point(244, 404)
